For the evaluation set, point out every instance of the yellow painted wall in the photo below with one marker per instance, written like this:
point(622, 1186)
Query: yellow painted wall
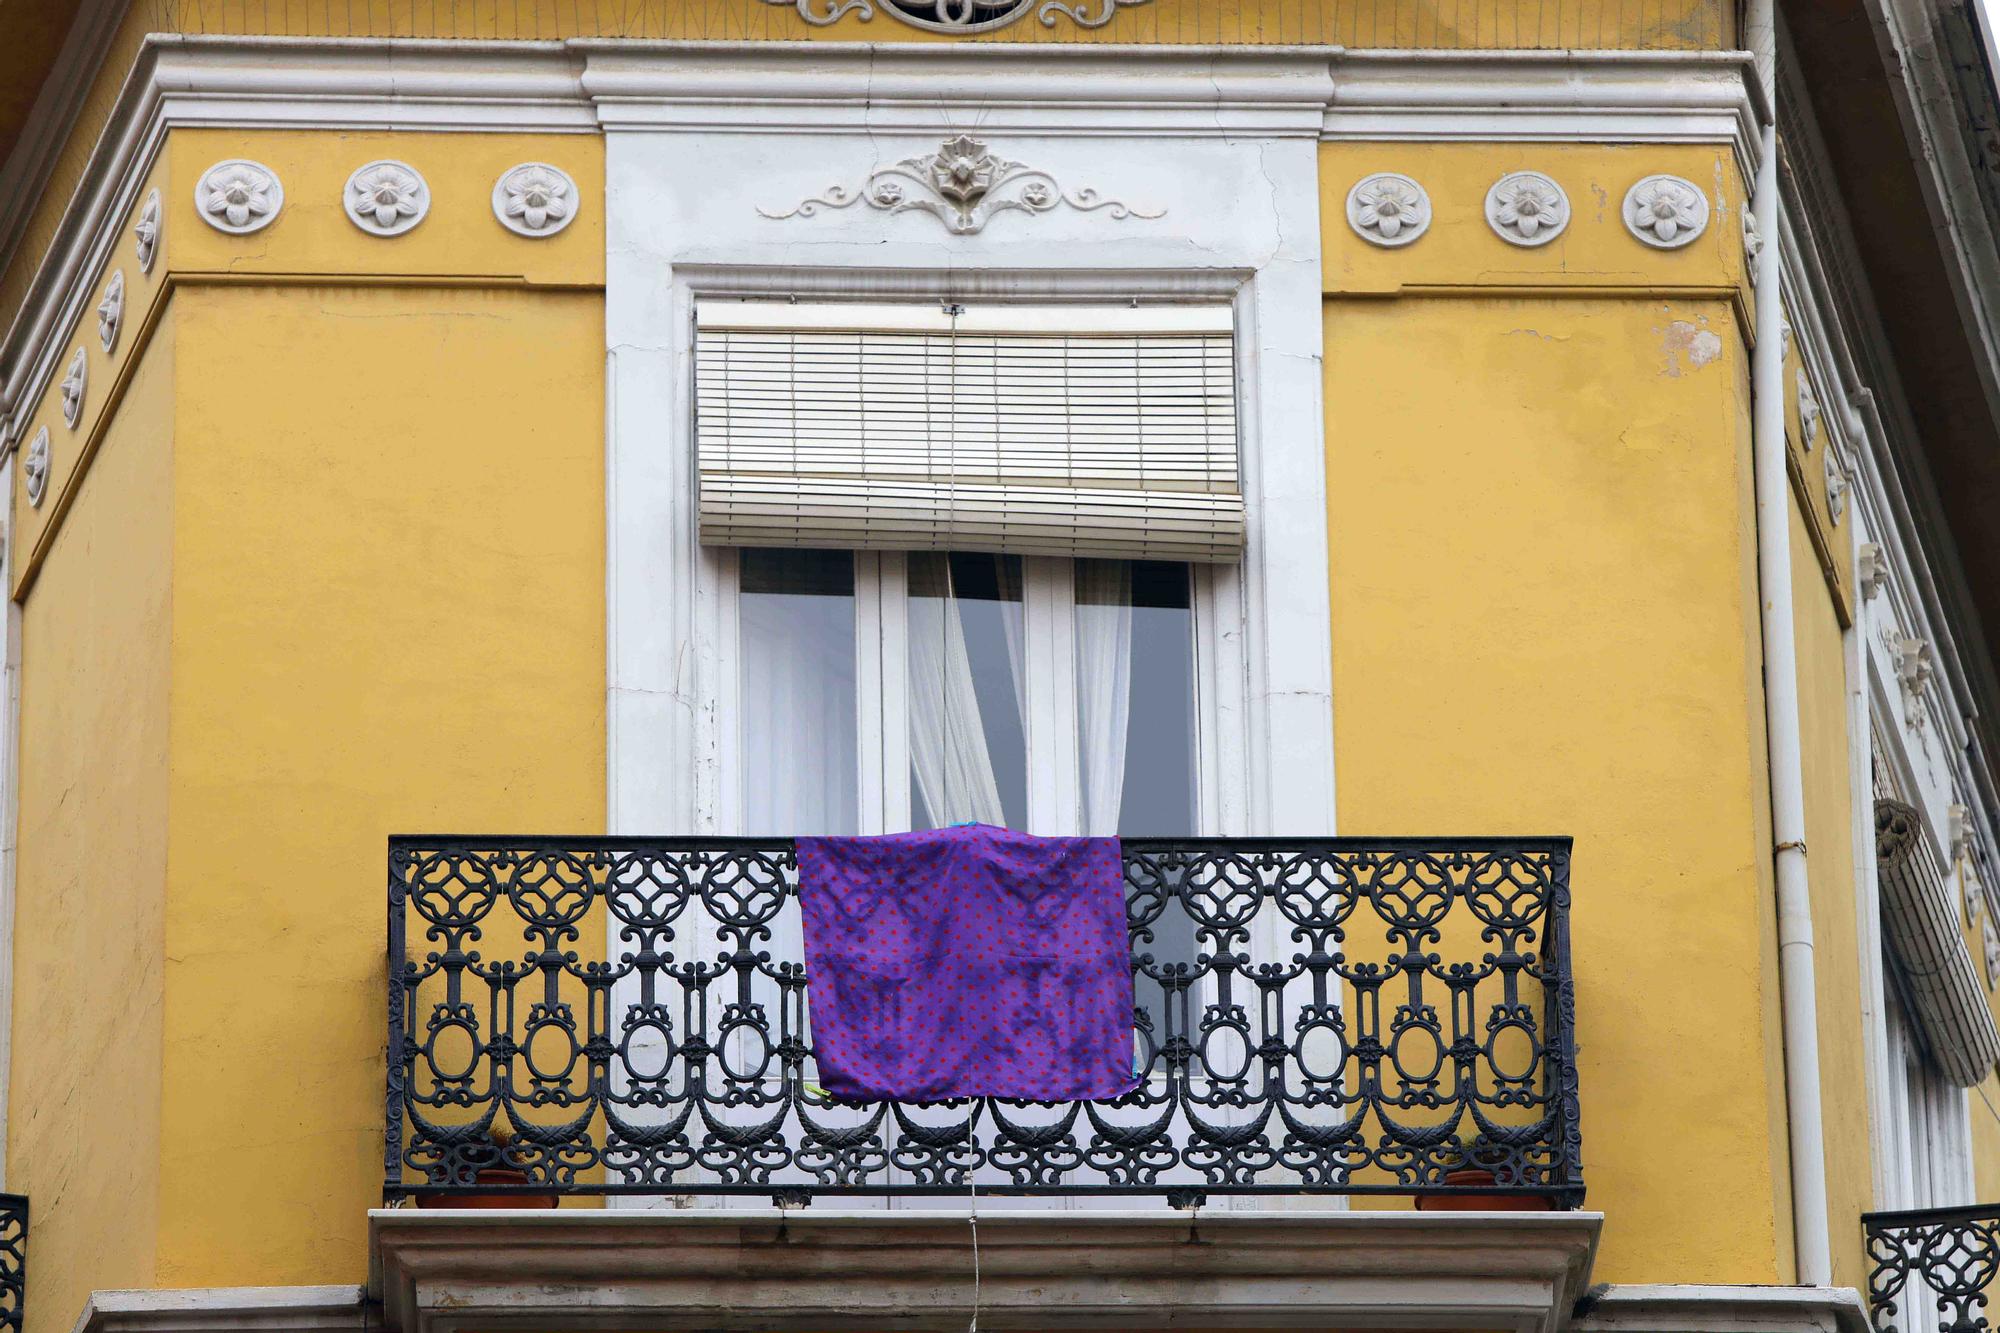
point(1539, 517)
point(1823, 728)
point(389, 617)
point(84, 1113)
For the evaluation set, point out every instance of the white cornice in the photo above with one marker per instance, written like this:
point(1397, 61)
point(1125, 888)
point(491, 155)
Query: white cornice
point(820, 1268)
point(584, 86)
point(1602, 96)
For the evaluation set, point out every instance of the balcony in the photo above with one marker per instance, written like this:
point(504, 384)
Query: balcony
point(628, 1016)
point(1929, 1269)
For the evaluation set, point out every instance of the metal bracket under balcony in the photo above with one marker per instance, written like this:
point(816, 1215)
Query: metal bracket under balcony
point(1331, 1016)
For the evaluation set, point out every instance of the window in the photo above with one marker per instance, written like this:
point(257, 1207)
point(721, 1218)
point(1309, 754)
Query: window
point(1043, 694)
point(962, 543)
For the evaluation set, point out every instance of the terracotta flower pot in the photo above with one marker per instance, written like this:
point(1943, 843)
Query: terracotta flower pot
point(1479, 1203)
point(492, 1175)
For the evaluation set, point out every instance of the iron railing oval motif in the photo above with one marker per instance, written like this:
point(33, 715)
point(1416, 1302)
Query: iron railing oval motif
point(1944, 1258)
point(629, 1016)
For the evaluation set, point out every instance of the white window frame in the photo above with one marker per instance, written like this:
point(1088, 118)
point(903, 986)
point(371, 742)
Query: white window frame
point(671, 602)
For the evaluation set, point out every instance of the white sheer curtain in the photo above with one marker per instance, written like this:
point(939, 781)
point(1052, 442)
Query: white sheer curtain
point(797, 724)
point(1103, 687)
point(948, 753)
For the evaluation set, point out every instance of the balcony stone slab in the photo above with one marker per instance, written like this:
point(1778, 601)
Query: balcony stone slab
point(827, 1269)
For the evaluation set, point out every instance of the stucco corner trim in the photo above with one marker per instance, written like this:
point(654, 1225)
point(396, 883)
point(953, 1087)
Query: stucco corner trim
point(330, 1309)
point(733, 1268)
point(1674, 1308)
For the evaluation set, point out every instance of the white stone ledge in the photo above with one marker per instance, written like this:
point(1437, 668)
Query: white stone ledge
point(819, 1268)
point(342, 1309)
point(1672, 1308)
point(669, 1270)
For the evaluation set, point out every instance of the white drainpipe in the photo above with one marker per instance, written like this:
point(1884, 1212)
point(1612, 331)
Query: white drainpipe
point(1781, 695)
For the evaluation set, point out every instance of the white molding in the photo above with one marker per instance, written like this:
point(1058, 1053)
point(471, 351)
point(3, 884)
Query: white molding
point(330, 1309)
point(1549, 96)
point(583, 86)
point(823, 1268)
point(1675, 1308)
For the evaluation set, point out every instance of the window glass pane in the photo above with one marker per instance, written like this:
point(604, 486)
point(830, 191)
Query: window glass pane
point(795, 616)
point(968, 744)
point(1135, 697)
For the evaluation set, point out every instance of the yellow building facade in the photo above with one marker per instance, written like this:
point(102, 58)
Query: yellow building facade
point(1600, 464)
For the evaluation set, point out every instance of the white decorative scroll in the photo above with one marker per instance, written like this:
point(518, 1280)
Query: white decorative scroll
point(72, 388)
point(1666, 212)
point(146, 232)
point(239, 196)
point(386, 198)
point(111, 311)
point(1527, 208)
point(1388, 209)
point(35, 468)
point(964, 186)
point(535, 199)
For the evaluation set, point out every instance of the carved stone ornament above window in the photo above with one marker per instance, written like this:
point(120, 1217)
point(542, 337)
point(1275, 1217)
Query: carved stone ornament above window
point(963, 17)
point(962, 185)
point(1527, 208)
point(386, 198)
point(146, 232)
point(35, 468)
point(1913, 670)
point(1836, 487)
point(111, 311)
point(1874, 568)
point(72, 388)
point(535, 199)
point(1753, 245)
point(1666, 212)
point(1991, 938)
point(239, 196)
point(1388, 209)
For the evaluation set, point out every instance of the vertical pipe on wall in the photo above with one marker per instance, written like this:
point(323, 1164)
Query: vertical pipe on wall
point(1812, 1245)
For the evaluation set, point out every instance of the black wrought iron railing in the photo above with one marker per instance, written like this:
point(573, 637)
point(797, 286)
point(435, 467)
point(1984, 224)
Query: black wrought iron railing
point(1331, 1016)
point(13, 1259)
point(1929, 1269)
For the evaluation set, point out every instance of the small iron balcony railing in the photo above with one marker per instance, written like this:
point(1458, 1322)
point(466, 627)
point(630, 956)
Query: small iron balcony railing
point(1929, 1269)
point(1331, 1016)
point(13, 1260)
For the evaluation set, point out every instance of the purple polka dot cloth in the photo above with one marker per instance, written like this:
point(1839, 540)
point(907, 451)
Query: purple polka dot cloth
point(968, 962)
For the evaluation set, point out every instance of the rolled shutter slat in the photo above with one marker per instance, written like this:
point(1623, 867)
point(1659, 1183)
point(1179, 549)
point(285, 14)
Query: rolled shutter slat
point(1072, 430)
point(1920, 919)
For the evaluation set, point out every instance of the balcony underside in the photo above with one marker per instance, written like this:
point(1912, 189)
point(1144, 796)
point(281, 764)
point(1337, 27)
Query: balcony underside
point(764, 1268)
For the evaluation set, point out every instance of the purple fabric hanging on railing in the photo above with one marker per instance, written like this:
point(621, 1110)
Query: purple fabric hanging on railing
point(968, 962)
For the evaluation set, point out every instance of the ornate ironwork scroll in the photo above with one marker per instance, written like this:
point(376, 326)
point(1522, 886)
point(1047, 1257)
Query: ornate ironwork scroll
point(629, 1016)
point(1948, 1257)
point(13, 1259)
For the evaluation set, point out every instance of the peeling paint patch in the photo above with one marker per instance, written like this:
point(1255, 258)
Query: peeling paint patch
point(1689, 345)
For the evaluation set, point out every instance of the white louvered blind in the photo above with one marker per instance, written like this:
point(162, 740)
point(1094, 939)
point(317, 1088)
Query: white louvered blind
point(1920, 919)
point(1038, 430)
